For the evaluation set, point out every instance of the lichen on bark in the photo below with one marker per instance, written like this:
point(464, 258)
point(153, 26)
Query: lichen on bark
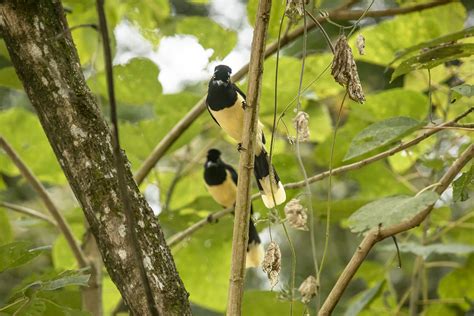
point(45, 58)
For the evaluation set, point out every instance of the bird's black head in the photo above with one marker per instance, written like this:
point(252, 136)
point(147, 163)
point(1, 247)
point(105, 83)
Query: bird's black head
point(222, 73)
point(213, 155)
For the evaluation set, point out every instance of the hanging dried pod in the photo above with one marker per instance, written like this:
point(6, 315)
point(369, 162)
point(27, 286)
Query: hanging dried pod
point(308, 289)
point(272, 263)
point(294, 9)
point(296, 215)
point(360, 42)
point(301, 122)
point(344, 70)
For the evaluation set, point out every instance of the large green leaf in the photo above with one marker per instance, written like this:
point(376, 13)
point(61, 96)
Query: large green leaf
point(468, 32)
point(390, 211)
point(209, 251)
point(18, 253)
point(433, 58)
point(380, 134)
point(258, 303)
point(209, 33)
point(23, 131)
point(62, 255)
point(463, 185)
point(136, 82)
point(458, 283)
point(363, 300)
point(385, 39)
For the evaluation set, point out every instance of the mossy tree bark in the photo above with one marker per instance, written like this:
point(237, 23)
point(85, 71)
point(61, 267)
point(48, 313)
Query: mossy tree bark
point(49, 68)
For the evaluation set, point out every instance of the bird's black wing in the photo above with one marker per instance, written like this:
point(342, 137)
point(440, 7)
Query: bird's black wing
point(207, 106)
point(239, 91)
point(233, 173)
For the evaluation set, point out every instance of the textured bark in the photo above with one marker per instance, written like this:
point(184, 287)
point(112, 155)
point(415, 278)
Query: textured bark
point(49, 68)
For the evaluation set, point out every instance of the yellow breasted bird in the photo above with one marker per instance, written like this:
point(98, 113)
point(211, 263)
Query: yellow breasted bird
point(226, 104)
point(221, 182)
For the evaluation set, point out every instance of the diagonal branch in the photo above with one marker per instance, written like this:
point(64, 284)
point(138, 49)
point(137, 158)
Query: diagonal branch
point(48, 202)
point(338, 14)
point(377, 234)
point(178, 237)
point(28, 211)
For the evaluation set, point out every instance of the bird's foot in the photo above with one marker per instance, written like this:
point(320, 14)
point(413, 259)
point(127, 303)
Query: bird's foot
point(240, 147)
point(244, 105)
point(211, 219)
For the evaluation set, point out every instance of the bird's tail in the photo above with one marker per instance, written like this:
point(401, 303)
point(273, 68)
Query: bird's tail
point(272, 190)
point(254, 249)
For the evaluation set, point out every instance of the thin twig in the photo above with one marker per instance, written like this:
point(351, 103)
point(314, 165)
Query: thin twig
point(343, 169)
point(119, 162)
point(48, 202)
point(162, 147)
point(377, 234)
point(28, 211)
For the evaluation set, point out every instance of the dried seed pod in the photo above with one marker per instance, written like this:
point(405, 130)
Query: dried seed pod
point(301, 122)
point(360, 42)
point(308, 289)
point(344, 70)
point(296, 214)
point(294, 9)
point(272, 263)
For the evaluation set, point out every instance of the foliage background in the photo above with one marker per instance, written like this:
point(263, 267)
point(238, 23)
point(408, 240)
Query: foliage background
point(175, 187)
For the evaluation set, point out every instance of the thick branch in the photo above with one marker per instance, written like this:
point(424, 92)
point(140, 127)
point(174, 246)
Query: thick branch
point(338, 14)
point(178, 237)
point(377, 234)
point(48, 202)
point(50, 71)
point(249, 141)
point(28, 211)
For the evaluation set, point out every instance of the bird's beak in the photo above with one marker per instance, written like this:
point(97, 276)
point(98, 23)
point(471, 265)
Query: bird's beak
point(210, 164)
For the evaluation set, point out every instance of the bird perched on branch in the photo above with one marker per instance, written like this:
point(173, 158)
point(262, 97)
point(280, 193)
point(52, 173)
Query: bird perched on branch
point(226, 104)
point(221, 182)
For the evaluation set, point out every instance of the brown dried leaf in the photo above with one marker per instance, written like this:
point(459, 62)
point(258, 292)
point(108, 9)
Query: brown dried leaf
point(308, 289)
point(272, 263)
point(344, 70)
point(301, 122)
point(296, 215)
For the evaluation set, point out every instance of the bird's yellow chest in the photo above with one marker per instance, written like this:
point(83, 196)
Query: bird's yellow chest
point(231, 119)
point(224, 193)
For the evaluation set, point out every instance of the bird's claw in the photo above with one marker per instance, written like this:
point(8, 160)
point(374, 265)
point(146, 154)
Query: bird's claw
point(244, 105)
point(240, 147)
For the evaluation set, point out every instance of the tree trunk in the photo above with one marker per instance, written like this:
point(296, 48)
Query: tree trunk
point(46, 61)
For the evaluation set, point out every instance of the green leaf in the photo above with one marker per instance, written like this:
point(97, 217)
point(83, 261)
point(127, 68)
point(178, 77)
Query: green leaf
point(6, 234)
point(363, 300)
point(380, 134)
point(386, 38)
point(9, 78)
point(18, 253)
point(66, 278)
point(136, 83)
point(426, 250)
point(278, 7)
point(258, 303)
point(468, 32)
point(458, 283)
point(209, 33)
point(62, 255)
point(458, 92)
point(463, 185)
point(23, 131)
point(433, 58)
point(207, 279)
point(390, 211)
